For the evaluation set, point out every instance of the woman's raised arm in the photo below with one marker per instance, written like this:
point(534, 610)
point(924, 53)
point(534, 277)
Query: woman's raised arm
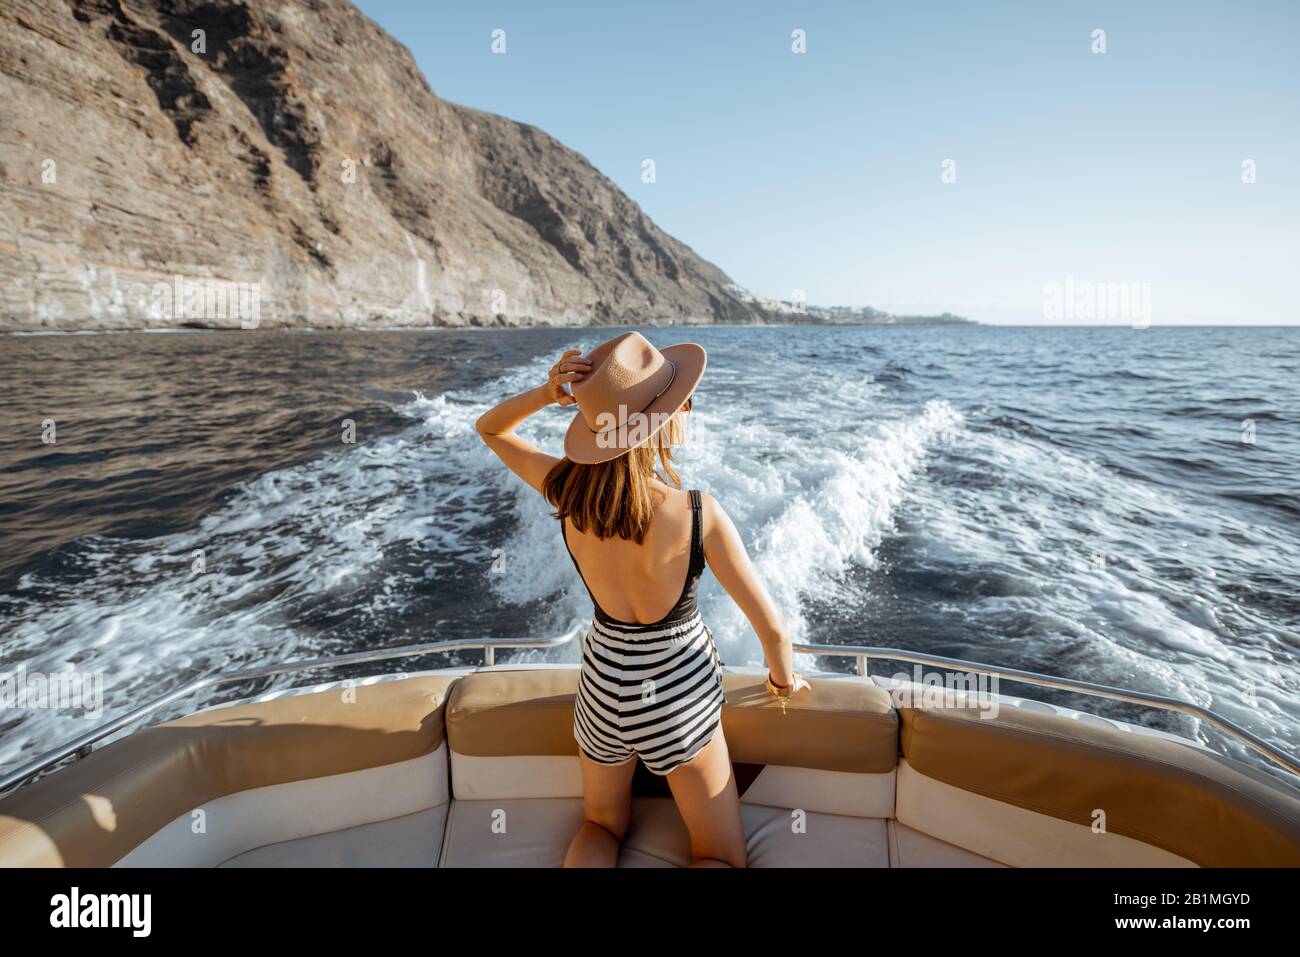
point(497, 425)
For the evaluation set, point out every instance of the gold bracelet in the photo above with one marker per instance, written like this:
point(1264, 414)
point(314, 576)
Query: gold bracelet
point(781, 692)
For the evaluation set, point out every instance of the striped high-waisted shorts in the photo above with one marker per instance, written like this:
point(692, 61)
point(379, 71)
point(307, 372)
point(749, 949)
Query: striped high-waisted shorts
point(655, 692)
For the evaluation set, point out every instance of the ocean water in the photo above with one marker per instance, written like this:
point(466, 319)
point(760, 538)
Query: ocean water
point(1109, 504)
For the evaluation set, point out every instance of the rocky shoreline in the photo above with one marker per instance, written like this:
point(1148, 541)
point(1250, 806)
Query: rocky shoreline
point(284, 163)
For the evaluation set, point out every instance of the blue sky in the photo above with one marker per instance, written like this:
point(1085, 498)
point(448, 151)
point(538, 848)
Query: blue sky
point(821, 172)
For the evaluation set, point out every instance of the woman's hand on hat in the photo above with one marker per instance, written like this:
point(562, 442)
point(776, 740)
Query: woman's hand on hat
point(572, 367)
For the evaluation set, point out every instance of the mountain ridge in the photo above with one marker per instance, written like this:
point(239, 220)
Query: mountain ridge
point(293, 152)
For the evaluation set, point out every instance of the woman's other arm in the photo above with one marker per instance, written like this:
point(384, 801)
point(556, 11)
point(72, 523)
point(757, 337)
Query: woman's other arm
point(726, 555)
point(497, 425)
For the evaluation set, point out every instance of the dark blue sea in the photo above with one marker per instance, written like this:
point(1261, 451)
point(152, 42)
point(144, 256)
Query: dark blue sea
point(1113, 504)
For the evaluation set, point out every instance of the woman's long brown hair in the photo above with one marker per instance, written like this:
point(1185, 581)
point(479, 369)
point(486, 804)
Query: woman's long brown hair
point(613, 498)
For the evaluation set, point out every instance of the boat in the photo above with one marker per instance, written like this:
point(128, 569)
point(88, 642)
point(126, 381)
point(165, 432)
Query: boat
point(476, 766)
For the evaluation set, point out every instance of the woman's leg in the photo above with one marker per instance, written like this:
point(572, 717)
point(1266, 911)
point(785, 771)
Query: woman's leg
point(705, 791)
point(606, 809)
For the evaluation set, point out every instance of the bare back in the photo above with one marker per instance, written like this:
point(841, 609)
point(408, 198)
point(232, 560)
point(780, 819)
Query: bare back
point(639, 584)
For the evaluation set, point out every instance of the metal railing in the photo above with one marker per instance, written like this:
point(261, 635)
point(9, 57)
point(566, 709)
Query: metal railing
point(864, 655)
point(82, 746)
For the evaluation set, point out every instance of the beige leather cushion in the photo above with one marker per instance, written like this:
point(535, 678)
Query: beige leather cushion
point(841, 725)
point(413, 840)
point(774, 837)
point(536, 832)
point(819, 840)
point(496, 713)
point(93, 812)
point(912, 848)
point(528, 832)
point(1195, 804)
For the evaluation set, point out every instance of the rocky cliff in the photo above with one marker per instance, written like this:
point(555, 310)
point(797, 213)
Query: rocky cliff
point(285, 163)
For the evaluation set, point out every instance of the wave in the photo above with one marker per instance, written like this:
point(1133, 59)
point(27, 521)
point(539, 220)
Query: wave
point(1130, 374)
point(335, 553)
point(1023, 427)
point(812, 535)
point(1285, 502)
point(1113, 592)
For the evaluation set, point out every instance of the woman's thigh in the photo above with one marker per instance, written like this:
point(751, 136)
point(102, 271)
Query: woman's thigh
point(607, 793)
point(705, 791)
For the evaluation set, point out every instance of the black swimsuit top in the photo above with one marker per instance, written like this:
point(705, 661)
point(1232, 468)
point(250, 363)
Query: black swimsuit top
point(686, 606)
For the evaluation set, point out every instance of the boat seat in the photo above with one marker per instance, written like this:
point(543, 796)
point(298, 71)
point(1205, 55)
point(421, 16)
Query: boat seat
point(816, 782)
point(412, 840)
point(209, 787)
point(912, 848)
point(1032, 789)
point(535, 832)
point(482, 770)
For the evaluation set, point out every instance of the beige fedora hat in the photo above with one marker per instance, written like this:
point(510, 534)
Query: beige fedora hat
point(631, 392)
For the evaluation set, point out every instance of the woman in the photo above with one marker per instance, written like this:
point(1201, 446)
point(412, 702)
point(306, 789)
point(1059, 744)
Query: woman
point(651, 680)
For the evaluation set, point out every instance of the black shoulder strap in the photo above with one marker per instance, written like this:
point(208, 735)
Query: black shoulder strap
point(697, 531)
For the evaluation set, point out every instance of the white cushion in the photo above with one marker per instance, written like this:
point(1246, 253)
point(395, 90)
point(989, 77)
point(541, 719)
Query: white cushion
point(410, 841)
